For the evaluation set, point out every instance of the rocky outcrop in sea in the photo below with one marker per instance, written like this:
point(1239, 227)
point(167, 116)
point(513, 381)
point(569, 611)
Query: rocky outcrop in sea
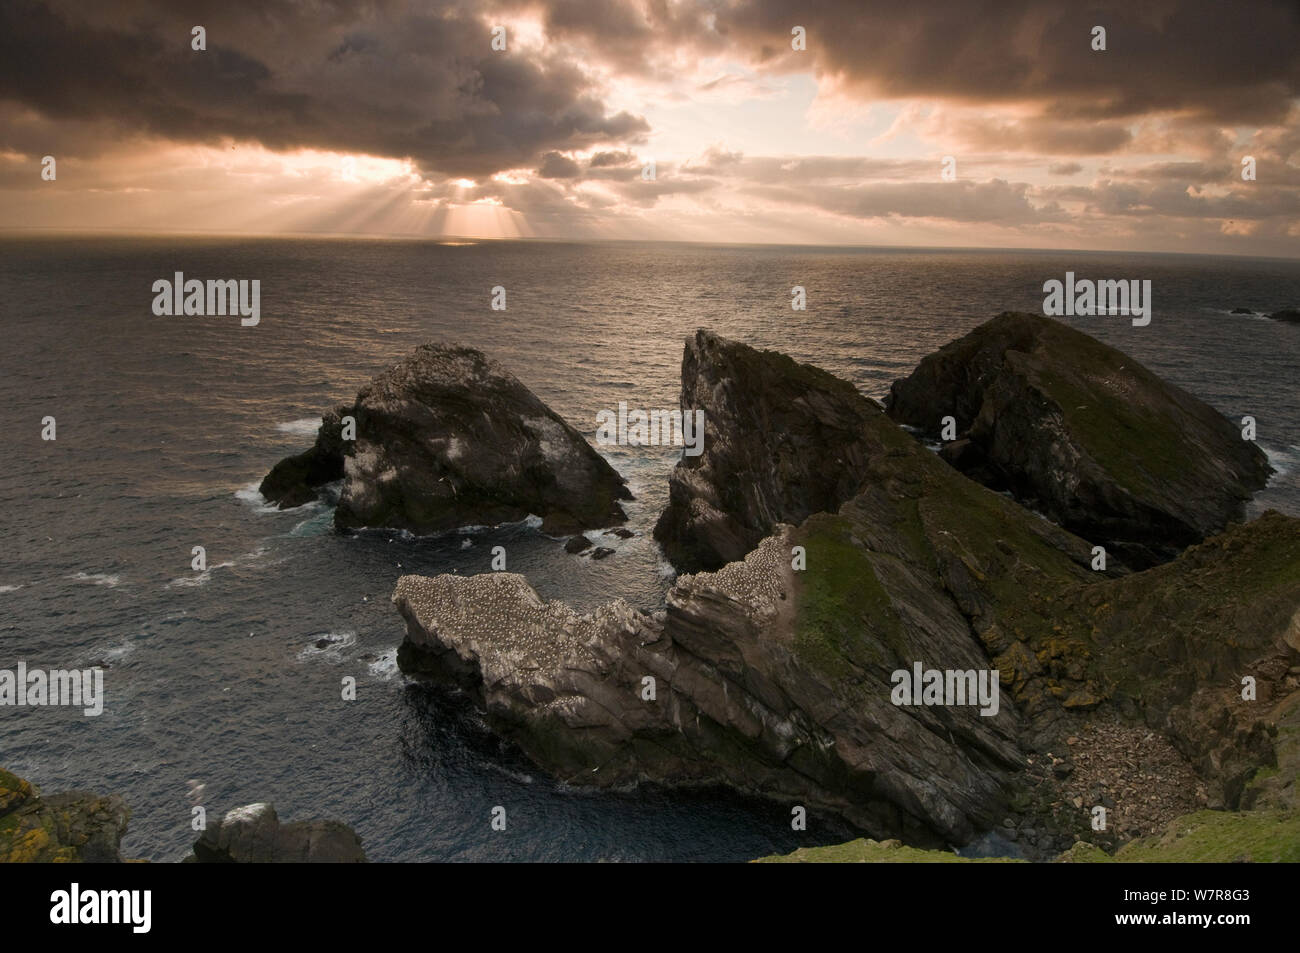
point(774, 673)
point(783, 440)
point(254, 835)
point(81, 827)
point(447, 438)
point(1084, 434)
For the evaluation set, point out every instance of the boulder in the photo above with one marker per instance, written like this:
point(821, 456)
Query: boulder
point(72, 827)
point(1084, 434)
point(782, 441)
point(1290, 315)
point(577, 544)
point(254, 835)
point(447, 438)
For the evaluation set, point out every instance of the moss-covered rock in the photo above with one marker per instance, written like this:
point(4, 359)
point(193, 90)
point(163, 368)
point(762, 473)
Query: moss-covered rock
point(865, 851)
point(75, 827)
point(1084, 433)
point(783, 441)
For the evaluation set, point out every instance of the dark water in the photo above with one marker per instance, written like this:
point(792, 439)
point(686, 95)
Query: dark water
point(165, 424)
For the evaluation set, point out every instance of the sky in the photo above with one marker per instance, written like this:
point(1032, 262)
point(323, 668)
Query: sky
point(945, 123)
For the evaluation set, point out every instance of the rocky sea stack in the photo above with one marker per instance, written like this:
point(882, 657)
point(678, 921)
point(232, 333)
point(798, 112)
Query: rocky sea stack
point(777, 673)
point(448, 438)
point(1084, 434)
point(784, 440)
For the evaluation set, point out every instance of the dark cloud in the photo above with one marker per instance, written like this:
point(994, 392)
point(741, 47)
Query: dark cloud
point(992, 202)
point(1243, 202)
point(601, 159)
point(406, 80)
point(1065, 168)
point(1204, 57)
point(558, 166)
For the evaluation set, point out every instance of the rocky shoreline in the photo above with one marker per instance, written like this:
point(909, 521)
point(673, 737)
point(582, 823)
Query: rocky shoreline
point(80, 827)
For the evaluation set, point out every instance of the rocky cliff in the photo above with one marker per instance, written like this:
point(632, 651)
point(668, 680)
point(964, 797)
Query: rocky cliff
point(773, 673)
point(1085, 434)
point(448, 438)
point(782, 441)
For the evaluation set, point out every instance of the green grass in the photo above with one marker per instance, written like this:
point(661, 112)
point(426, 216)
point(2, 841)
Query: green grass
point(864, 851)
point(845, 620)
point(1203, 837)
point(1221, 837)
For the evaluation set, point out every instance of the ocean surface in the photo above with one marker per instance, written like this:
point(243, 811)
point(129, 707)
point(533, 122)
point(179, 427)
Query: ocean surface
point(230, 678)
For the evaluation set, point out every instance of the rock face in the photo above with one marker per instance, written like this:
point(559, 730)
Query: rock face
point(254, 835)
point(738, 696)
point(74, 827)
point(777, 680)
point(782, 441)
point(1085, 434)
point(447, 438)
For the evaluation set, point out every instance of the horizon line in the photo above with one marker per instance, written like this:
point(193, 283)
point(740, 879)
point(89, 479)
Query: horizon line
point(465, 240)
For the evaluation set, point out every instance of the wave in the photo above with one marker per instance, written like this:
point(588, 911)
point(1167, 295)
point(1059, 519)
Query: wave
point(1282, 461)
point(1257, 315)
point(4, 589)
point(385, 667)
point(197, 578)
point(251, 495)
point(303, 427)
point(97, 578)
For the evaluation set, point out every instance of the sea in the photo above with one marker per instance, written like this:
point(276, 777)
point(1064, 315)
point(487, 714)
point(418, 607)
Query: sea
point(223, 686)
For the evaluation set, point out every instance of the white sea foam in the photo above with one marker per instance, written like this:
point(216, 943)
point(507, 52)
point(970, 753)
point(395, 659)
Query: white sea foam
point(305, 426)
point(512, 775)
point(98, 578)
point(251, 496)
point(1282, 461)
point(385, 667)
point(9, 588)
point(115, 653)
point(196, 578)
point(332, 651)
point(254, 498)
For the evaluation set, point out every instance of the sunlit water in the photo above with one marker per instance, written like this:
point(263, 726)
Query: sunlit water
point(166, 424)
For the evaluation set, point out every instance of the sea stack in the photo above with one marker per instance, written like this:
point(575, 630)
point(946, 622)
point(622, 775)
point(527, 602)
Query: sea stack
point(1084, 434)
point(782, 441)
point(448, 438)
